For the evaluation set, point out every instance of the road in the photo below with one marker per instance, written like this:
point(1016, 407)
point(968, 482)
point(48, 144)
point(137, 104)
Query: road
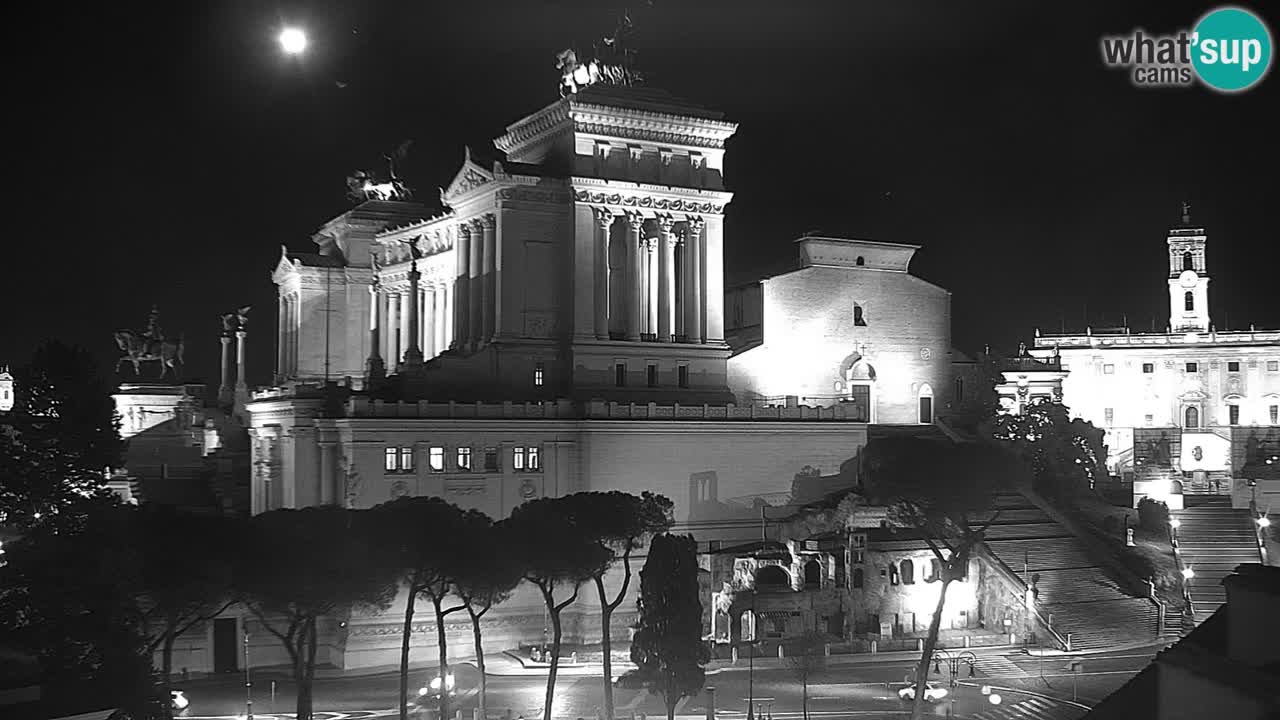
point(1031, 687)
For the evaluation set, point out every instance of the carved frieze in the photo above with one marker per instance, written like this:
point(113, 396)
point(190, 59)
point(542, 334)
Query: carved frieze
point(648, 202)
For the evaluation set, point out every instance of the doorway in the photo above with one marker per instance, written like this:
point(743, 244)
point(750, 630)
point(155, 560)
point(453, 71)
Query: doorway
point(224, 645)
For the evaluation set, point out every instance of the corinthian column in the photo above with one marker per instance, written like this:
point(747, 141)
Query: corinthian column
point(413, 353)
point(666, 277)
point(489, 284)
point(224, 390)
point(475, 303)
point(282, 338)
point(635, 223)
point(604, 221)
point(462, 288)
point(693, 253)
point(374, 368)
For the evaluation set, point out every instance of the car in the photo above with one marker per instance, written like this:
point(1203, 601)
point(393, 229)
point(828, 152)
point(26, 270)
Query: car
point(461, 683)
point(932, 692)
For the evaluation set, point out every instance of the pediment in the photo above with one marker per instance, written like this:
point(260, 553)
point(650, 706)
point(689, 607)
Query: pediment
point(284, 267)
point(469, 177)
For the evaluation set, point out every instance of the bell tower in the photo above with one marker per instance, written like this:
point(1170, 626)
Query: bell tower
point(1188, 277)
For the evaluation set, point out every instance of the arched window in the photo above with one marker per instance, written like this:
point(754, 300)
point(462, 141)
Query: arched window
point(1193, 417)
point(893, 574)
point(772, 577)
point(860, 261)
point(812, 574)
point(934, 573)
point(908, 573)
point(858, 578)
point(1188, 261)
point(1188, 301)
point(858, 318)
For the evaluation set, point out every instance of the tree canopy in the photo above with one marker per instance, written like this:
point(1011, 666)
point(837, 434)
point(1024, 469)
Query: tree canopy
point(59, 439)
point(668, 647)
point(1066, 455)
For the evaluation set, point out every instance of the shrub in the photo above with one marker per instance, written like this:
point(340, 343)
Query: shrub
point(1153, 515)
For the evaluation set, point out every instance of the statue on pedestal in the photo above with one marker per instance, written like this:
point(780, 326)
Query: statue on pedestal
point(150, 345)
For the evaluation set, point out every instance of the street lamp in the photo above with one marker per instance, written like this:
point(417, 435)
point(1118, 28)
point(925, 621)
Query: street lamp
point(293, 41)
point(1188, 573)
point(248, 685)
point(1263, 522)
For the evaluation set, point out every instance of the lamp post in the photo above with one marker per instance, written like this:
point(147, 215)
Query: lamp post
point(953, 663)
point(248, 684)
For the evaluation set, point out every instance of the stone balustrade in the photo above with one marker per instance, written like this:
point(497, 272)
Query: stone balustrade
point(360, 407)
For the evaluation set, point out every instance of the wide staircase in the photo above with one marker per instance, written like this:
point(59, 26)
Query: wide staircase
point(1213, 539)
point(1074, 592)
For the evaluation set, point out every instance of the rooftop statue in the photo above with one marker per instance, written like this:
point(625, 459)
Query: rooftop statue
point(362, 185)
point(613, 62)
point(150, 345)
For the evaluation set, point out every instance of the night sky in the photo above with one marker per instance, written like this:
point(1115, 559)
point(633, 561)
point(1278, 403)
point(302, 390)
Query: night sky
point(169, 150)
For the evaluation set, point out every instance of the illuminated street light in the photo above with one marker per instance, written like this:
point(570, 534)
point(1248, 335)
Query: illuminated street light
point(1188, 573)
point(994, 698)
point(1264, 522)
point(1175, 523)
point(293, 41)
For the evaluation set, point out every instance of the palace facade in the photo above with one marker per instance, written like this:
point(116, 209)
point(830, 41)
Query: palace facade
point(559, 325)
point(1185, 410)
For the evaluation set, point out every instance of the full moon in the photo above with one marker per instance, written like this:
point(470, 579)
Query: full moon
point(293, 41)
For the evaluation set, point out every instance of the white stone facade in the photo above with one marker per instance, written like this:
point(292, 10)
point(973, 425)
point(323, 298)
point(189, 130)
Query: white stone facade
point(1195, 379)
point(851, 326)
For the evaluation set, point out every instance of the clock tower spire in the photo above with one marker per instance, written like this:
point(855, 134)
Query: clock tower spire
point(1188, 276)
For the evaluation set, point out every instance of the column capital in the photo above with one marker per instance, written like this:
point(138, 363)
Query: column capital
point(667, 224)
point(696, 223)
point(464, 228)
point(488, 221)
point(604, 217)
point(635, 220)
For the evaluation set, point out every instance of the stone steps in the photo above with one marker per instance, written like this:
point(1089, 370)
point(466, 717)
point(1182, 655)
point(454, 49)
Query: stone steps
point(1213, 538)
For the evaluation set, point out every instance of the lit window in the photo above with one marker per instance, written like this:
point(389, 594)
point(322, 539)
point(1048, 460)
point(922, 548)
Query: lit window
point(1273, 366)
point(537, 374)
point(464, 458)
point(1275, 414)
point(893, 574)
point(491, 459)
point(1148, 368)
point(391, 459)
point(858, 557)
point(682, 376)
point(1109, 415)
point(436, 459)
point(1188, 301)
point(1108, 369)
point(1233, 366)
point(534, 458)
point(1149, 420)
point(517, 458)
point(1233, 414)
point(651, 375)
point(1193, 367)
point(620, 374)
point(406, 459)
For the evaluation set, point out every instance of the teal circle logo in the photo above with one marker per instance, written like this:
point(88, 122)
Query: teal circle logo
point(1231, 49)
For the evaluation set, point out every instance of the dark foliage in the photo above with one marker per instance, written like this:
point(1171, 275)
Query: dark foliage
point(1153, 515)
point(668, 647)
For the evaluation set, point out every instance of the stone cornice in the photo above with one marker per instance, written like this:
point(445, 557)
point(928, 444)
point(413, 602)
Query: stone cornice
point(552, 119)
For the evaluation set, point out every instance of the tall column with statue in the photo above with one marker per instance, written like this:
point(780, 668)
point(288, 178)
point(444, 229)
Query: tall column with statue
point(604, 221)
point(413, 353)
point(375, 369)
point(226, 395)
point(242, 367)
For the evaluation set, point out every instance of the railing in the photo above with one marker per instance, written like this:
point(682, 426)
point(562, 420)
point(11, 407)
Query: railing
point(362, 407)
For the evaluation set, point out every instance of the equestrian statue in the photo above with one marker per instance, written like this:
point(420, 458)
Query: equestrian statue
point(150, 345)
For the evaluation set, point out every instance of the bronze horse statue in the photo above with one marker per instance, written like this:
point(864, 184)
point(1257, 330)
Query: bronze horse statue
point(139, 348)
